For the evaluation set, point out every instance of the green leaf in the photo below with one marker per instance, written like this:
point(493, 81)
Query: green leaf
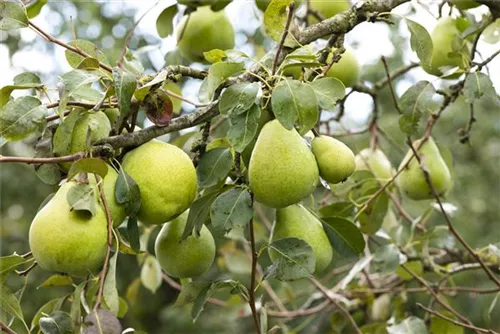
point(238, 98)
point(89, 63)
point(25, 80)
point(133, 234)
point(344, 236)
point(371, 219)
point(442, 326)
point(9, 303)
point(151, 274)
point(77, 85)
point(125, 84)
point(421, 42)
point(127, 192)
point(244, 128)
point(76, 310)
point(141, 92)
point(189, 293)
point(493, 304)
point(123, 308)
point(63, 134)
point(491, 34)
point(164, 22)
point(11, 262)
point(478, 85)
point(215, 55)
point(103, 321)
point(214, 166)
point(328, 92)
point(21, 117)
point(110, 293)
point(415, 102)
point(46, 308)
point(56, 280)
point(295, 260)
point(415, 266)
point(82, 197)
point(385, 259)
point(338, 209)
point(294, 103)
point(57, 322)
point(12, 16)
point(34, 8)
point(411, 325)
point(275, 19)
point(88, 165)
point(75, 60)
point(199, 213)
point(217, 74)
point(231, 209)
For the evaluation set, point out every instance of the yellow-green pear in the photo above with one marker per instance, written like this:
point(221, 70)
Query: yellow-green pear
point(465, 4)
point(449, 50)
point(166, 178)
point(328, 8)
point(295, 221)
point(335, 160)
point(205, 30)
point(184, 258)
point(67, 241)
point(412, 179)
point(346, 69)
point(282, 168)
point(376, 162)
point(96, 124)
point(174, 88)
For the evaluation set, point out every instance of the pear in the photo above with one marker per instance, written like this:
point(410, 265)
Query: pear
point(96, 124)
point(376, 162)
point(205, 30)
point(445, 38)
point(282, 169)
point(184, 258)
point(335, 160)
point(67, 241)
point(328, 9)
point(295, 221)
point(347, 69)
point(166, 178)
point(465, 4)
point(412, 179)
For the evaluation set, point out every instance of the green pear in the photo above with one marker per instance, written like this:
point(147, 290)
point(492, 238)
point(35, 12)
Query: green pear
point(465, 4)
point(116, 209)
point(96, 124)
point(412, 179)
point(67, 241)
point(376, 162)
point(295, 221)
point(184, 258)
point(335, 160)
point(347, 69)
point(205, 30)
point(449, 50)
point(282, 169)
point(327, 8)
point(174, 88)
point(166, 178)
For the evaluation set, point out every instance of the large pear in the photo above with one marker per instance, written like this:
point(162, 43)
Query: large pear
point(184, 258)
point(412, 179)
point(166, 178)
point(347, 69)
point(328, 8)
point(202, 31)
point(335, 160)
point(295, 221)
point(66, 241)
point(282, 169)
point(447, 51)
point(376, 162)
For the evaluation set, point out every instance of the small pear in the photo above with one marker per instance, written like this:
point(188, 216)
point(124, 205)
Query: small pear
point(347, 69)
point(184, 258)
point(67, 241)
point(205, 30)
point(412, 179)
point(335, 160)
point(166, 178)
point(376, 162)
point(282, 169)
point(327, 8)
point(295, 221)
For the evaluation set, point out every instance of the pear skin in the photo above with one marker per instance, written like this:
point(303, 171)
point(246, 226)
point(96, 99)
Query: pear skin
point(376, 162)
point(335, 160)
point(166, 178)
point(412, 179)
point(66, 241)
point(187, 258)
point(282, 168)
point(295, 221)
point(206, 30)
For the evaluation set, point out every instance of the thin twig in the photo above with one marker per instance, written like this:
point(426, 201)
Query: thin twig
point(291, 8)
point(391, 87)
point(27, 270)
point(54, 160)
point(182, 98)
point(5, 328)
point(178, 287)
point(251, 291)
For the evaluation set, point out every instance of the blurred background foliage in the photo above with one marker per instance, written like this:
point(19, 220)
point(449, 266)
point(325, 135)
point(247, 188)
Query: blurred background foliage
point(475, 193)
